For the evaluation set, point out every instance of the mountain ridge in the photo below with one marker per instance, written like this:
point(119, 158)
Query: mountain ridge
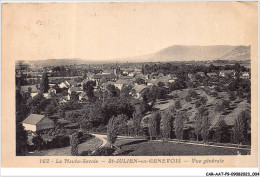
point(170, 53)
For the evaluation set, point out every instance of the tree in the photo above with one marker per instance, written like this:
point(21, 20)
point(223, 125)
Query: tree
point(221, 134)
point(205, 129)
point(241, 127)
point(21, 140)
point(154, 124)
point(222, 106)
point(74, 96)
point(115, 124)
point(125, 91)
point(167, 121)
point(74, 144)
point(137, 118)
point(51, 108)
point(38, 142)
point(62, 113)
point(198, 120)
point(232, 96)
point(30, 89)
point(178, 105)
point(203, 100)
point(188, 98)
point(160, 84)
point(44, 85)
point(113, 91)
point(89, 88)
point(179, 125)
point(139, 81)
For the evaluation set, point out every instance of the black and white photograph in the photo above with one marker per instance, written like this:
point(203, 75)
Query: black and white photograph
point(168, 79)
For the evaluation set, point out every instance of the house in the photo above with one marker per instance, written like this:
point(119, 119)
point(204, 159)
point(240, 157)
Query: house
point(98, 77)
point(125, 77)
point(83, 96)
point(191, 76)
point(226, 73)
point(72, 83)
point(120, 83)
point(137, 91)
point(64, 84)
point(30, 88)
point(52, 90)
point(75, 89)
point(202, 74)
point(68, 84)
point(245, 75)
point(36, 122)
point(26, 88)
point(152, 82)
point(211, 75)
point(127, 71)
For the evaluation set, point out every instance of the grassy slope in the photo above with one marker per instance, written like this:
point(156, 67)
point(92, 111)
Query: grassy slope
point(92, 144)
point(147, 148)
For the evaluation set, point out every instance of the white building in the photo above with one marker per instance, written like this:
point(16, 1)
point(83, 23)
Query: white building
point(36, 122)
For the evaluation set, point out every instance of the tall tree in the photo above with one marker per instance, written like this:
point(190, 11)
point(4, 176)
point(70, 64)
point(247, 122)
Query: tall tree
point(154, 124)
point(241, 127)
point(167, 121)
point(89, 88)
point(44, 85)
point(198, 120)
point(74, 144)
point(137, 118)
point(205, 129)
point(222, 134)
point(21, 140)
point(115, 124)
point(179, 125)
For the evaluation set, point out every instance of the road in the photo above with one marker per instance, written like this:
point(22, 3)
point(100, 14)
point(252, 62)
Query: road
point(103, 138)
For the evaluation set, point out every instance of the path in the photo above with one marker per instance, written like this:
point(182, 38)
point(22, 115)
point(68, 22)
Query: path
point(102, 138)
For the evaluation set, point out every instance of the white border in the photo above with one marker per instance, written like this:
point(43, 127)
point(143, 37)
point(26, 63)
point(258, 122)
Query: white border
point(121, 171)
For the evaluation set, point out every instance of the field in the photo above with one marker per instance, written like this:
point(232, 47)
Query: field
point(89, 145)
point(153, 148)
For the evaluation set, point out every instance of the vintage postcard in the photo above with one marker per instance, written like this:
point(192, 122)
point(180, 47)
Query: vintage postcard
point(129, 84)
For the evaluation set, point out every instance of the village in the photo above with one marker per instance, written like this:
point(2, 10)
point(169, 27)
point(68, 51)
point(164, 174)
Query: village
point(111, 109)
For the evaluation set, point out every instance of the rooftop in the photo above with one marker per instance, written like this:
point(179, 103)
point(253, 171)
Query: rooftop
point(33, 119)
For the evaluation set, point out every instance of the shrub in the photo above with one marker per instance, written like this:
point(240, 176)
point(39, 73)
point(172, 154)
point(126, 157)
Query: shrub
point(58, 142)
point(232, 96)
point(218, 89)
point(214, 94)
point(178, 105)
point(38, 142)
point(188, 98)
point(193, 94)
point(203, 100)
point(175, 95)
point(82, 137)
point(197, 104)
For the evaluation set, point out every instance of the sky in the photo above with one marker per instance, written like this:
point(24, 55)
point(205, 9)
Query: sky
point(105, 31)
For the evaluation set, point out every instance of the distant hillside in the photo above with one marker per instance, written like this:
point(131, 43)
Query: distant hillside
point(184, 53)
point(172, 53)
point(239, 53)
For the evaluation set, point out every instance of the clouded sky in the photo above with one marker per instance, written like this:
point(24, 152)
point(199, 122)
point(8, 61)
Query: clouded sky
point(114, 30)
